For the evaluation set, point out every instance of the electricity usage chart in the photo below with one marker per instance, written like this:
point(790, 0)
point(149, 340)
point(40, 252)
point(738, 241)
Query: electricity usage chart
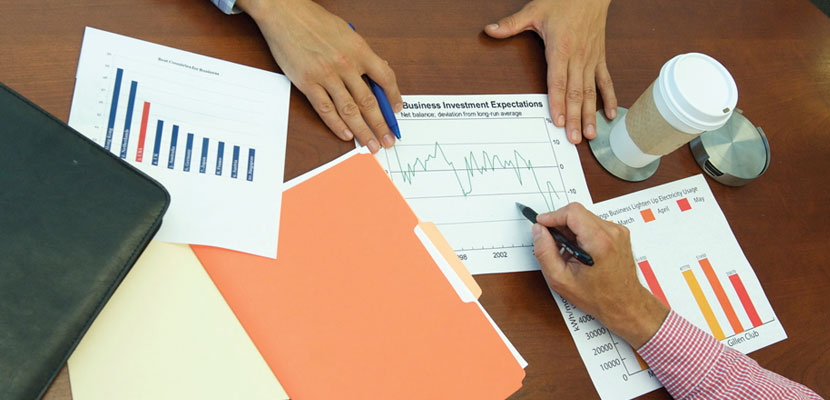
point(687, 256)
point(464, 161)
point(210, 131)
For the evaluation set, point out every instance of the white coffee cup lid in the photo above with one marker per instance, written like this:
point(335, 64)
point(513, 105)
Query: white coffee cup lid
point(698, 90)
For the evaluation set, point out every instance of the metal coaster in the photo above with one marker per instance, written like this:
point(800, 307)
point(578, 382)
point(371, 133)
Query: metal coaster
point(601, 148)
point(734, 154)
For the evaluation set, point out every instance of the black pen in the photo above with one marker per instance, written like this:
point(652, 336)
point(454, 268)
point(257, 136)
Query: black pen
point(563, 241)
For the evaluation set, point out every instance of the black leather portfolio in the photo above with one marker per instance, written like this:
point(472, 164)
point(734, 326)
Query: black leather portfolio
point(73, 220)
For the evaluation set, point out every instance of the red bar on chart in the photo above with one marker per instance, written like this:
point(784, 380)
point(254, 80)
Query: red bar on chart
point(745, 300)
point(651, 280)
point(647, 215)
point(139, 153)
point(684, 204)
point(721, 295)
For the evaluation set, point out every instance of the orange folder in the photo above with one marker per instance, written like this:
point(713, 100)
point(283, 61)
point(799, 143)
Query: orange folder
point(358, 305)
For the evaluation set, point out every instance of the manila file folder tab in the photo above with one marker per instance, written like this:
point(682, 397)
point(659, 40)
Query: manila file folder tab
point(356, 306)
point(74, 220)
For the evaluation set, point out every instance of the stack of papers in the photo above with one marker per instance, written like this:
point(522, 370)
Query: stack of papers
point(213, 133)
point(361, 303)
point(337, 315)
point(364, 300)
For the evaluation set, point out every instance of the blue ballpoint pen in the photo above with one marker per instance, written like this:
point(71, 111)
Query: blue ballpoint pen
point(383, 103)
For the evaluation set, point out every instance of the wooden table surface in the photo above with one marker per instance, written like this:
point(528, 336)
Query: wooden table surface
point(778, 52)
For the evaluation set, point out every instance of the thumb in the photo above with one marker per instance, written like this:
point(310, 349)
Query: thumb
point(546, 251)
point(510, 25)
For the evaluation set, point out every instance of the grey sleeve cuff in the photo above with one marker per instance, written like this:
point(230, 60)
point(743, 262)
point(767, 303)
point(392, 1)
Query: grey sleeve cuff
point(227, 6)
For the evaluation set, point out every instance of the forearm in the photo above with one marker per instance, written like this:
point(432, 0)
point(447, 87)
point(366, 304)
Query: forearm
point(692, 364)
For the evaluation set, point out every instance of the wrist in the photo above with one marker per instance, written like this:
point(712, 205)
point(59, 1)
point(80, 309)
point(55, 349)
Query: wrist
point(257, 8)
point(643, 317)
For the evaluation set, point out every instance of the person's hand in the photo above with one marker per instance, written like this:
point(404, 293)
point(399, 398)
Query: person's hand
point(326, 59)
point(608, 290)
point(574, 36)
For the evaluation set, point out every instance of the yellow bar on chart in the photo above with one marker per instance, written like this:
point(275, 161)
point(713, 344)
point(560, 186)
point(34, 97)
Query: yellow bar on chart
point(640, 360)
point(703, 304)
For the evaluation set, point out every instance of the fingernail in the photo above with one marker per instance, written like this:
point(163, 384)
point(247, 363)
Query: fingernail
point(574, 135)
point(373, 146)
point(612, 114)
point(398, 107)
point(560, 120)
point(388, 141)
point(492, 27)
point(590, 131)
point(348, 134)
point(537, 231)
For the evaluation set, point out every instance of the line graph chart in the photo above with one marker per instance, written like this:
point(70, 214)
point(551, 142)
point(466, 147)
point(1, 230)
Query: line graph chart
point(518, 164)
point(465, 175)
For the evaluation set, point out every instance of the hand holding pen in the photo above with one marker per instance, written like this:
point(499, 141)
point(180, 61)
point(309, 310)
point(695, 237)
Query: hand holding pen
point(326, 61)
point(566, 245)
point(383, 103)
point(609, 290)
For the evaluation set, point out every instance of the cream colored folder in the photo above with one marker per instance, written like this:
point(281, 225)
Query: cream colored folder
point(167, 333)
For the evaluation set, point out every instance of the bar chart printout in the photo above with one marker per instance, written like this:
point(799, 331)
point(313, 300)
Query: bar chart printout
point(687, 256)
point(187, 121)
point(463, 163)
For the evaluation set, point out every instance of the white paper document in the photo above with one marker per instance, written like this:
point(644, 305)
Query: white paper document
point(464, 161)
point(686, 254)
point(212, 132)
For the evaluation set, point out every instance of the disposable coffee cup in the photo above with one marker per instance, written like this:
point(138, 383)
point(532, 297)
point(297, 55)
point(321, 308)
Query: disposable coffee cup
point(694, 93)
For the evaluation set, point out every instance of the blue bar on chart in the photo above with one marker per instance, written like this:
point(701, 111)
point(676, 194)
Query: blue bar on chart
point(250, 164)
point(114, 105)
point(157, 144)
point(125, 139)
point(171, 158)
point(235, 163)
point(203, 162)
point(188, 151)
point(220, 154)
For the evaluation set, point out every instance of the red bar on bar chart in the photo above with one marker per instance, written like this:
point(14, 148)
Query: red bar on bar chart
point(651, 280)
point(647, 215)
point(684, 204)
point(139, 153)
point(721, 295)
point(745, 300)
